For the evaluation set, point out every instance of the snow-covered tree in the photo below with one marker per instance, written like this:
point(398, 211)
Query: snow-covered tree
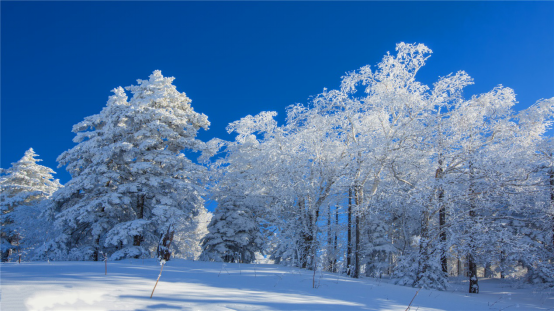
point(234, 234)
point(424, 176)
point(189, 236)
point(25, 187)
point(130, 179)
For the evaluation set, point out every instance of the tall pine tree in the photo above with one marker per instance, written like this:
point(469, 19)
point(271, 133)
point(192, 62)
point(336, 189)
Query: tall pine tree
point(130, 178)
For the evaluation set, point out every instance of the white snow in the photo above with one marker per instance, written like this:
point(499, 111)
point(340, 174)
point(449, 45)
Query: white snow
point(189, 285)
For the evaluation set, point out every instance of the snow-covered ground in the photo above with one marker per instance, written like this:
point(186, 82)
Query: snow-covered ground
point(188, 285)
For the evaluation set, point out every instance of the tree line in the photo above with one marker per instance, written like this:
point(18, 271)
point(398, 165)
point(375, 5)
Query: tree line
point(382, 177)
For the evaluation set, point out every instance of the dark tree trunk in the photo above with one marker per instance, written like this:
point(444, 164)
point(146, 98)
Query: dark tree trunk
point(313, 247)
point(165, 243)
point(336, 237)
point(8, 237)
point(473, 282)
point(552, 201)
point(357, 252)
point(349, 234)
point(502, 262)
point(307, 237)
point(459, 267)
point(442, 221)
point(472, 266)
point(306, 234)
point(306, 253)
point(358, 195)
point(329, 242)
point(137, 239)
point(140, 206)
point(96, 254)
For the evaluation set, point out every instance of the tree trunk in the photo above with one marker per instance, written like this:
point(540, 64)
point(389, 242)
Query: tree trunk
point(313, 245)
point(423, 246)
point(329, 242)
point(442, 223)
point(357, 252)
point(96, 254)
point(502, 262)
point(552, 201)
point(309, 238)
point(336, 238)
point(349, 234)
point(473, 282)
point(165, 243)
point(472, 266)
point(488, 270)
point(442, 220)
point(306, 235)
point(459, 267)
point(137, 239)
point(358, 196)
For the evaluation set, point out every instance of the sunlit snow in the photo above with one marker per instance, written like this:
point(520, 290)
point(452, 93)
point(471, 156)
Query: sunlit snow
point(189, 285)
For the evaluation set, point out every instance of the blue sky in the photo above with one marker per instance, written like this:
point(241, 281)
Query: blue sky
point(59, 60)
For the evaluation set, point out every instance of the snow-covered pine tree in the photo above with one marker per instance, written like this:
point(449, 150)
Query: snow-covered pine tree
point(130, 178)
point(378, 249)
point(234, 234)
point(24, 188)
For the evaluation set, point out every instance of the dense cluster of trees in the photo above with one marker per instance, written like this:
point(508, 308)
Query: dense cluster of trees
point(382, 177)
point(131, 182)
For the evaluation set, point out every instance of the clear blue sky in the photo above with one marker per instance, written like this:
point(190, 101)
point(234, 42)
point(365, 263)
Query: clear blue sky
point(59, 60)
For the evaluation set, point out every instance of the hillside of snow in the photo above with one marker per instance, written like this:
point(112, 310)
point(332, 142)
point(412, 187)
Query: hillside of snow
point(189, 285)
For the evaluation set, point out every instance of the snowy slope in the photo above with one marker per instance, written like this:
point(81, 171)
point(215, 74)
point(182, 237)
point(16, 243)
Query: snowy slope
point(188, 285)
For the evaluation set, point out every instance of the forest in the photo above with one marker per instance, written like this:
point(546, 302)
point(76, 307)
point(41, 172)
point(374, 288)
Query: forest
point(384, 177)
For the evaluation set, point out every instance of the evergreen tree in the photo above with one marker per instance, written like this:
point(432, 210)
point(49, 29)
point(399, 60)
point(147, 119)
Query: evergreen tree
point(234, 234)
point(24, 188)
point(130, 179)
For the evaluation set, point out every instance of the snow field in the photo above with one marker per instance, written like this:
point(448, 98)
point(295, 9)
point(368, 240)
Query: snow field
point(189, 285)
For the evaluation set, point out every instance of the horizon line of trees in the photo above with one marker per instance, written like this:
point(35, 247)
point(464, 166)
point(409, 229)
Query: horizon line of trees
point(384, 176)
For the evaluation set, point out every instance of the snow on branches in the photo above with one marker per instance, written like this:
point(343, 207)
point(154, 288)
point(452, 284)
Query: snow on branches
point(425, 182)
point(130, 177)
point(25, 190)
